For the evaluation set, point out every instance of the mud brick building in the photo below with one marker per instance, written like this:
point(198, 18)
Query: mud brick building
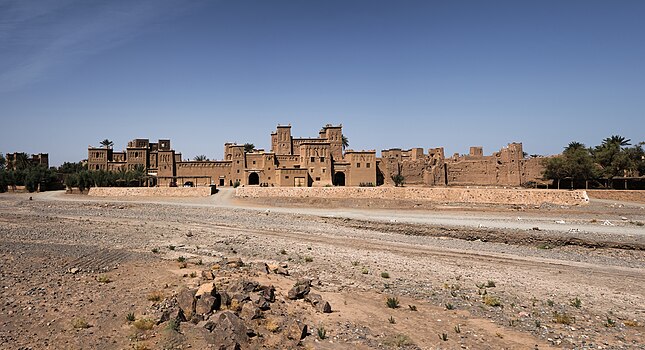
point(320, 161)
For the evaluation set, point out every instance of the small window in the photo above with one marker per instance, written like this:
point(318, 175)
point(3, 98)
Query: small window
point(358, 165)
point(313, 159)
point(238, 162)
point(322, 159)
point(317, 179)
point(253, 162)
point(324, 170)
point(367, 165)
point(311, 170)
point(286, 176)
point(269, 177)
point(238, 171)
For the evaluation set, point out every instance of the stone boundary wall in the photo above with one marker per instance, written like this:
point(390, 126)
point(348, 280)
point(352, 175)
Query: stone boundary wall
point(442, 195)
point(637, 196)
point(203, 191)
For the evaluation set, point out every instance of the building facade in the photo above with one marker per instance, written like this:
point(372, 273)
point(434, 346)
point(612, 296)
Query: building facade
point(320, 161)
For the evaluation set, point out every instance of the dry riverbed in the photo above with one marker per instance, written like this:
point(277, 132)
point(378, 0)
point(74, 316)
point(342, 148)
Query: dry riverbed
point(73, 270)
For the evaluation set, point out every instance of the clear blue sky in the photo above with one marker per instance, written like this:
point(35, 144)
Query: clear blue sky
point(394, 73)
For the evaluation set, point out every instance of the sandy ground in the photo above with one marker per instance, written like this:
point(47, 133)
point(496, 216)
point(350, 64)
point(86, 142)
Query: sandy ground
point(486, 277)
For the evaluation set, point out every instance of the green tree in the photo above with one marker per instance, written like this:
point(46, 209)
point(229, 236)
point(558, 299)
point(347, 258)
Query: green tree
point(575, 163)
point(345, 142)
point(200, 158)
point(107, 143)
point(249, 147)
point(613, 158)
point(21, 161)
point(398, 178)
point(70, 168)
point(3, 162)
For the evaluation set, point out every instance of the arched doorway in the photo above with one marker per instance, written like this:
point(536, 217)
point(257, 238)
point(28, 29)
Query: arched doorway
point(254, 179)
point(339, 179)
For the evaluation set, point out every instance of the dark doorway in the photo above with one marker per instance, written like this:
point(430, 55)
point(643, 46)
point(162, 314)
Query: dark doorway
point(339, 179)
point(254, 179)
point(221, 182)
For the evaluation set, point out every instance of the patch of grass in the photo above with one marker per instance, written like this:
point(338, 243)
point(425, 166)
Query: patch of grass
point(80, 323)
point(610, 323)
point(130, 317)
point(171, 247)
point(385, 275)
point(491, 301)
point(143, 324)
point(577, 303)
point(443, 336)
point(457, 329)
point(550, 302)
point(322, 332)
point(538, 324)
point(365, 271)
point(631, 323)
point(412, 307)
point(155, 250)
point(181, 259)
point(173, 325)
point(398, 341)
point(283, 252)
point(562, 318)
point(155, 296)
point(193, 274)
point(271, 325)
point(392, 302)
point(199, 262)
point(490, 284)
point(544, 246)
point(449, 306)
point(308, 259)
point(103, 279)
point(183, 265)
point(391, 320)
point(356, 263)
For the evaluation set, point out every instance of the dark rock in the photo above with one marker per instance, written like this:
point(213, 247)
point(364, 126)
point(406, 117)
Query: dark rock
point(250, 312)
point(263, 304)
point(297, 331)
point(282, 271)
point(318, 303)
point(268, 293)
point(300, 289)
point(205, 304)
point(208, 275)
point(229, 331)
point(175, 314)
point(186, 301)
point(224, 299)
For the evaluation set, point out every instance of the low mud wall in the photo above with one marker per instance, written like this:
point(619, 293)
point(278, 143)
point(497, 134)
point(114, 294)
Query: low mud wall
point(442, 195)
point(149, 191)
point(618, 195)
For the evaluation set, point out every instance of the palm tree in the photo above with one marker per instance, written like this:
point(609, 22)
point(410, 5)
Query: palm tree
point(573, 146)
point(200, 158)
point(616, 140)
point(345, 141)
point(107, 143)
point(249, 147)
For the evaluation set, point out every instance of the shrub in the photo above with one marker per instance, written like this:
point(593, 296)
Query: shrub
point(490, 284)
point(80, 323)
point(308, 259)
point(392, 302)
point(322, 332)
point(491, 301)
point(181, 259)
point(155, 296)
point(577, 303)
point(412, 307)
point(392, 320)
point(562, 318)
point(443, 336)
point(385, 275)
point(144, 324)
point(130, 317)
point(449, 306)
point(103, 279)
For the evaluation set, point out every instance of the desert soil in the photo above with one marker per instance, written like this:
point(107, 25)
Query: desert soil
point(480, 277)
